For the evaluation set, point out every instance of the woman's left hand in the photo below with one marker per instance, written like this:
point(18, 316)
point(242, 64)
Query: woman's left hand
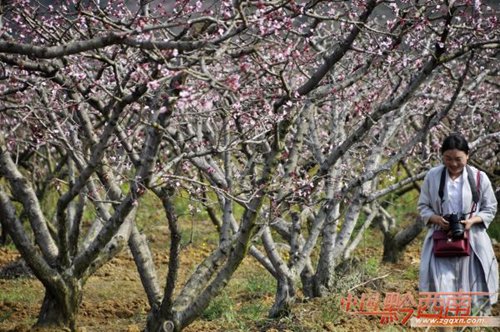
point(467, 223)
point(471, 221)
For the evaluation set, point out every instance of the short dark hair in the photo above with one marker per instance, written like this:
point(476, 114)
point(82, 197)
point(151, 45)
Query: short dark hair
point(455, 141)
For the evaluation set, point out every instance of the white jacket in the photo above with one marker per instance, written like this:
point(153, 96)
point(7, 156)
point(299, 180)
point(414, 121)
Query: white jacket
point(430, 203)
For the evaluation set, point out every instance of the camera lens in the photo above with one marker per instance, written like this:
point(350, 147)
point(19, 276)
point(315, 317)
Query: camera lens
point(456, 227)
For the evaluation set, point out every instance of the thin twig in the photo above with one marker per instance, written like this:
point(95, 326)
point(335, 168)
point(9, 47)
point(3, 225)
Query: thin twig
point(364, 283)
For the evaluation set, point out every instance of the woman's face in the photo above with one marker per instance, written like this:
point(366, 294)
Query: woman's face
point(455, 161)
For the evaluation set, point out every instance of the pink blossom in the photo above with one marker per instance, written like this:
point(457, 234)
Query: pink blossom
point(153, 85)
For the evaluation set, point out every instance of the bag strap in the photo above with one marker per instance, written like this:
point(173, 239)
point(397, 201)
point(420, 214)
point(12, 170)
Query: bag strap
point(441, 184)
point(474, 185)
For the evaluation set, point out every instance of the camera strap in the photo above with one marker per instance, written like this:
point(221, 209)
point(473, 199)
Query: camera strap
point(474, 186)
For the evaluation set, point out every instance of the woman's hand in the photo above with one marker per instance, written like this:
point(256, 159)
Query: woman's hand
point(440, 221)
point(469, 222)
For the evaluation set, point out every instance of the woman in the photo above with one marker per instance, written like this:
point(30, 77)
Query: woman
point(477, 272)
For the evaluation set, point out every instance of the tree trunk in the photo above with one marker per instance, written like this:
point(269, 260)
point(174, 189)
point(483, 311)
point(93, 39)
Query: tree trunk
point(3, 236)
point(59, 312)
point(326, 265)
point(307, 279)
point(156, 323)
point(391, 251)
point(394, 244)
point(284, 300)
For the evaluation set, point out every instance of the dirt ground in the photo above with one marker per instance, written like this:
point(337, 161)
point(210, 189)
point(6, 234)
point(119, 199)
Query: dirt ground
point(114, 299)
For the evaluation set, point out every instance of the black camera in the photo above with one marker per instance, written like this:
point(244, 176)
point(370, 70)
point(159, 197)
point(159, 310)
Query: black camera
point(456, 227)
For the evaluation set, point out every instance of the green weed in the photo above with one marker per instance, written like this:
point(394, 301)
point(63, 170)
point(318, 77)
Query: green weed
point(494, 228)
point(222, 307)
point(253, 311)
point(150, 212)
point(19, 292)
point(330, 310)
point(411, 273)
point(259, 285)
point(372, 266)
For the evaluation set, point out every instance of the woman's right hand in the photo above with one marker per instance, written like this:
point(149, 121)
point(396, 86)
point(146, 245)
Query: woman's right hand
point(440, 221)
